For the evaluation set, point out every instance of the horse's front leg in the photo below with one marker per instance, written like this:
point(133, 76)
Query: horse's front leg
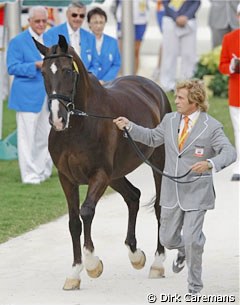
point(75, 226)
point(96, 187)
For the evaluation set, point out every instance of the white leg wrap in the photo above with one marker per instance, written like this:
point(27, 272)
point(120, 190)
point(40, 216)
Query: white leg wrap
point(90, 262)
point(159, 259)
point(75, 271)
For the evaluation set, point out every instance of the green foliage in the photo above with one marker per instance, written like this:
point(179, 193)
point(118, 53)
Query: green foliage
point(219, 85)
point(201, 71)
point(210, 60)
point(208, 65)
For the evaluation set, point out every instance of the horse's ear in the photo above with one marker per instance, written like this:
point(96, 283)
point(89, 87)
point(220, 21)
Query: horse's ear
point(43, 50)
point(62, 42)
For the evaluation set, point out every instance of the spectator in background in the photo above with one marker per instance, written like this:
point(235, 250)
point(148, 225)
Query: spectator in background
point(179, 39)
point(140, 18)
point(28, 99)
point(109, 58)
point(230, 65)
point(160, 13)
point(222, 19)
point(81, 40)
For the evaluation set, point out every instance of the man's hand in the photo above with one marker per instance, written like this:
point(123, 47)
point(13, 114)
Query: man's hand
point(121, 122)
point(39, 64)
point(200, 167)
point(235, 64)
point(181, 20)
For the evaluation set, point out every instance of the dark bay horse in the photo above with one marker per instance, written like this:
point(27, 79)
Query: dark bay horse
point(93, 151)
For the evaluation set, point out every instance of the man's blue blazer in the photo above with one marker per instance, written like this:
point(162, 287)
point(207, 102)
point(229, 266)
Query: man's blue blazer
point(27, 92)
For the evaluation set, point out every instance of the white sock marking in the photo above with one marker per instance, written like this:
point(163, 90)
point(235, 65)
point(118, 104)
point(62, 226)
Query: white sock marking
point(91, 261)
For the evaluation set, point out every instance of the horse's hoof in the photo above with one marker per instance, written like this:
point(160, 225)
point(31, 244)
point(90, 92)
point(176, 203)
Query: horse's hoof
point(141, 262)
point(94, 273)
point(71, 284)
point(156, 273)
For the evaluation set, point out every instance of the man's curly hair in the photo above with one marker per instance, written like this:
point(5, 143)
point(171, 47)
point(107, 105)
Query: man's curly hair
point(196, 93)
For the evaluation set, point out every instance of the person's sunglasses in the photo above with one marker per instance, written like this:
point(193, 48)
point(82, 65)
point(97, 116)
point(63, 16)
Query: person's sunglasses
point(40, 20)
point(74, 15)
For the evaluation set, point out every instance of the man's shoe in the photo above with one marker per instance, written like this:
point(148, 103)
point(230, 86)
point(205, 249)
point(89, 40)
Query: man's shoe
point(178, 264)
point(191, 296)
point(235, 177)
point(193, 292)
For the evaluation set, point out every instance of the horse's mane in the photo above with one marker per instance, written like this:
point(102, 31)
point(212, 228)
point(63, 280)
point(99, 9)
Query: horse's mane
point(82, 70)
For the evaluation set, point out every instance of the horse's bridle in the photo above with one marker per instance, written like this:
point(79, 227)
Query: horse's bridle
point(66, 101)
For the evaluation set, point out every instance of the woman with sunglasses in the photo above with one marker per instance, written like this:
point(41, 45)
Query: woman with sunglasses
point(81, 40)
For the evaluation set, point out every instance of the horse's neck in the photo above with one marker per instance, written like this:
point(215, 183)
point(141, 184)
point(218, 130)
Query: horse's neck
point(88, 90)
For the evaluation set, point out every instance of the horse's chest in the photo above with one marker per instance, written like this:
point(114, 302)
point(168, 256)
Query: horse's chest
point(79, 158)
point(75, 167)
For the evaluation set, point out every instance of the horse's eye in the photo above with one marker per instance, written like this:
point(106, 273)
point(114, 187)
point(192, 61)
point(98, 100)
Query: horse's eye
point(68, 71)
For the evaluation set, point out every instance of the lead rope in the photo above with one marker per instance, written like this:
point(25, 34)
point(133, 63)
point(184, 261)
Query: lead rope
point(138, 151)
point(145, 160)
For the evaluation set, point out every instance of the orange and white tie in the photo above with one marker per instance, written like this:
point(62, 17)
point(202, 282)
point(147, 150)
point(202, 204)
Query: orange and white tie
point(184, 133)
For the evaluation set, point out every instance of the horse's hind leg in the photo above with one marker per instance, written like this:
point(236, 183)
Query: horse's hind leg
point(131, 196)
point(157, 268)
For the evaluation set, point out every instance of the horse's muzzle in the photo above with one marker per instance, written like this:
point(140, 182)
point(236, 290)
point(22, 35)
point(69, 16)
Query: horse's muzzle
point(59, 124)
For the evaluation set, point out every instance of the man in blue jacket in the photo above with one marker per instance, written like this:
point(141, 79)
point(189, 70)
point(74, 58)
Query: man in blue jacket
point(28, 99)
point(81, 40)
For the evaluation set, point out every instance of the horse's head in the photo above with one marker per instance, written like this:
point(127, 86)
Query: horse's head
point(60, 73)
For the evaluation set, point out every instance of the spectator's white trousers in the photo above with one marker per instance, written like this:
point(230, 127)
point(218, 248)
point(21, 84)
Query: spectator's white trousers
point(177, 42)
point(235, 117)
point(32, 135)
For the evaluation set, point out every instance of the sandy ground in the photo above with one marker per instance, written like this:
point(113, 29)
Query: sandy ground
point(33, 266)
